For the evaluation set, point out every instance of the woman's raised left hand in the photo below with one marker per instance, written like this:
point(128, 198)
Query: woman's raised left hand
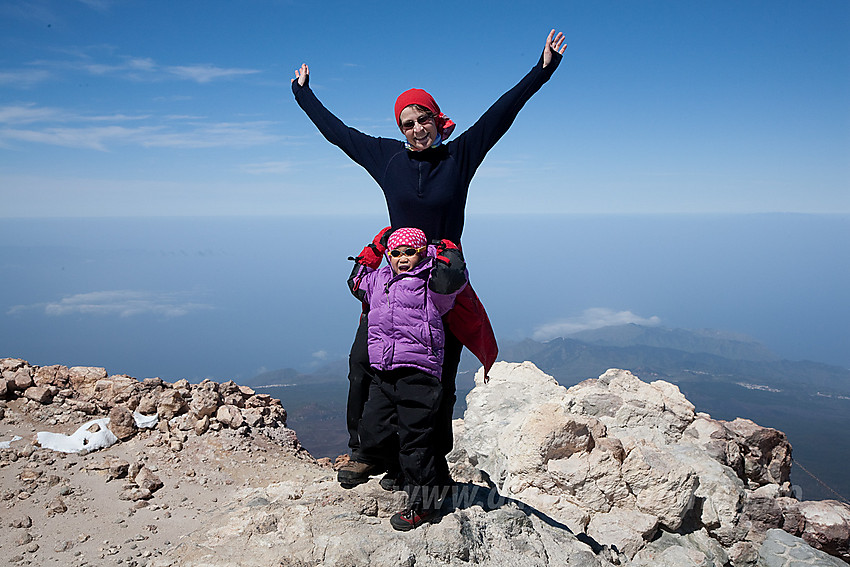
point(553, 43)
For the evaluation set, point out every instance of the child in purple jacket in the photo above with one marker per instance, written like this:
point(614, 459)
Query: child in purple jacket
point(406, 339)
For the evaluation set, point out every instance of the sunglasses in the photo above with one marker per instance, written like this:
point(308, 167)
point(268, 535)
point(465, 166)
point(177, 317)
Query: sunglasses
point(422, 119)
point(407, 252)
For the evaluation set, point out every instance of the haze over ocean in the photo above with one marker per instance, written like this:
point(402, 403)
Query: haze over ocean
point(231, 297)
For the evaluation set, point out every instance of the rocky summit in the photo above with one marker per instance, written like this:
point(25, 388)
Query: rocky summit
point(99, 469)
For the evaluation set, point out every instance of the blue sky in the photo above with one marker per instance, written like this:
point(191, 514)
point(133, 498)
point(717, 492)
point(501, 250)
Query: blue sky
point(149, 108)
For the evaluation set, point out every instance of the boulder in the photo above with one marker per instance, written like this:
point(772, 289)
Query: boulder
point(122, 423)
point(56, 375)
point(663, 485)
point(21, 379)
point(84, 378)
point(205, 402)
point(11, 364)
point(230, 416)
point(823, 524)
point(766, 452)
point(626, 531)
point(170, 403)
point(40, 394)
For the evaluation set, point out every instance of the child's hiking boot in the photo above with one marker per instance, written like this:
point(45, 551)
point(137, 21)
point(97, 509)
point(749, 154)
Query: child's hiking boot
point(411, 518)
point(353, 473)
point(392, 481)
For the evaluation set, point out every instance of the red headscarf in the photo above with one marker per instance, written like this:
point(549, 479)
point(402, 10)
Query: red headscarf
point(445, 126)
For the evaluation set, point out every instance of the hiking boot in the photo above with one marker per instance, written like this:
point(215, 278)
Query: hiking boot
point(392, 482)
point(353, 473)
point(411, 518)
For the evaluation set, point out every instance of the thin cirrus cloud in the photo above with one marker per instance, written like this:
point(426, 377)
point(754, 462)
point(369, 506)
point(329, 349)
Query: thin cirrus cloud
point(146, 69)
point(267, 167)
point(139, 69)
point(121, 303)
point(30, 123)
point(594, 318)
point(207, 73)
point(24, 79)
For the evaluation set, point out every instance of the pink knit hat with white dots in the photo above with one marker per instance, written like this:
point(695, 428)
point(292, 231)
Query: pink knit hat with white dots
point(412, 237)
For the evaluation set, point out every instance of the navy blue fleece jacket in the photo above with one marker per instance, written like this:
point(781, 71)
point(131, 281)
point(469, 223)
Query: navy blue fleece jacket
point(427, 189)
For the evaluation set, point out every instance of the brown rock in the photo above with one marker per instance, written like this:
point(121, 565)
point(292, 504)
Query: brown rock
point(11, 364)
point(29, 474)
point(4, 388)
point(21, 522)
point(202, 425)
point(147, 404)
point(253, 417)
point(122, 423)
point(135, 493)
point(40, 394)
point(152, 383)
point(826, 526)
point(56, 375)
point(170, 403)
point(87, 408)
point(21, 379)
point(766, 452)
point(204, 402)
point(118, 468)
point(258, 401)
point(230, 416)
point(276, 415)
point(56, 506)
point(146, 479)
point(115, 390)
point(231, 394)
point(84, 378)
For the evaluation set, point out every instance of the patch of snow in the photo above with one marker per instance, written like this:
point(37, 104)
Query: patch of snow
point(7, 444)
point(145, 421)
point(87, 437)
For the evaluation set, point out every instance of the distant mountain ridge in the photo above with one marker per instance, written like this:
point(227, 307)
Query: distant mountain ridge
point(709, 341)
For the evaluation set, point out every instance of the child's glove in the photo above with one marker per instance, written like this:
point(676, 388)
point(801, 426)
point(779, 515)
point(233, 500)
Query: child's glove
point(444, 245)
point(373, 253)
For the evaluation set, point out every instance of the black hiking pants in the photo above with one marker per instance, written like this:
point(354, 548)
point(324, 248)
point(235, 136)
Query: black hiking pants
point(397, 430)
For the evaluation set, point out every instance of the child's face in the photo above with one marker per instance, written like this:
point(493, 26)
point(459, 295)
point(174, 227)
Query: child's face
point(405, 258)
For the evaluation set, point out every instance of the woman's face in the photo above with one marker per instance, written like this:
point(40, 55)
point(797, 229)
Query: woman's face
point(418, 127)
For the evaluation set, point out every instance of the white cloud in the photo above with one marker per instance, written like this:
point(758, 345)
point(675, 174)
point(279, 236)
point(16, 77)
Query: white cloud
point(99, 135)
point(26, 113)
point(123, 303)
point(100, 5)
point(207, 73)
point(23, 79)
point(91, 138)
point(273, 167)
point(593, 318)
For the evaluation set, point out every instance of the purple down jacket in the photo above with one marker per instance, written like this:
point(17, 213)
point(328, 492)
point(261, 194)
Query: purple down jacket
point(405, 313)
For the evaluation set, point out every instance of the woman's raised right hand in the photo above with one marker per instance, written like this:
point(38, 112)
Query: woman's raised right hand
point(302, 75)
